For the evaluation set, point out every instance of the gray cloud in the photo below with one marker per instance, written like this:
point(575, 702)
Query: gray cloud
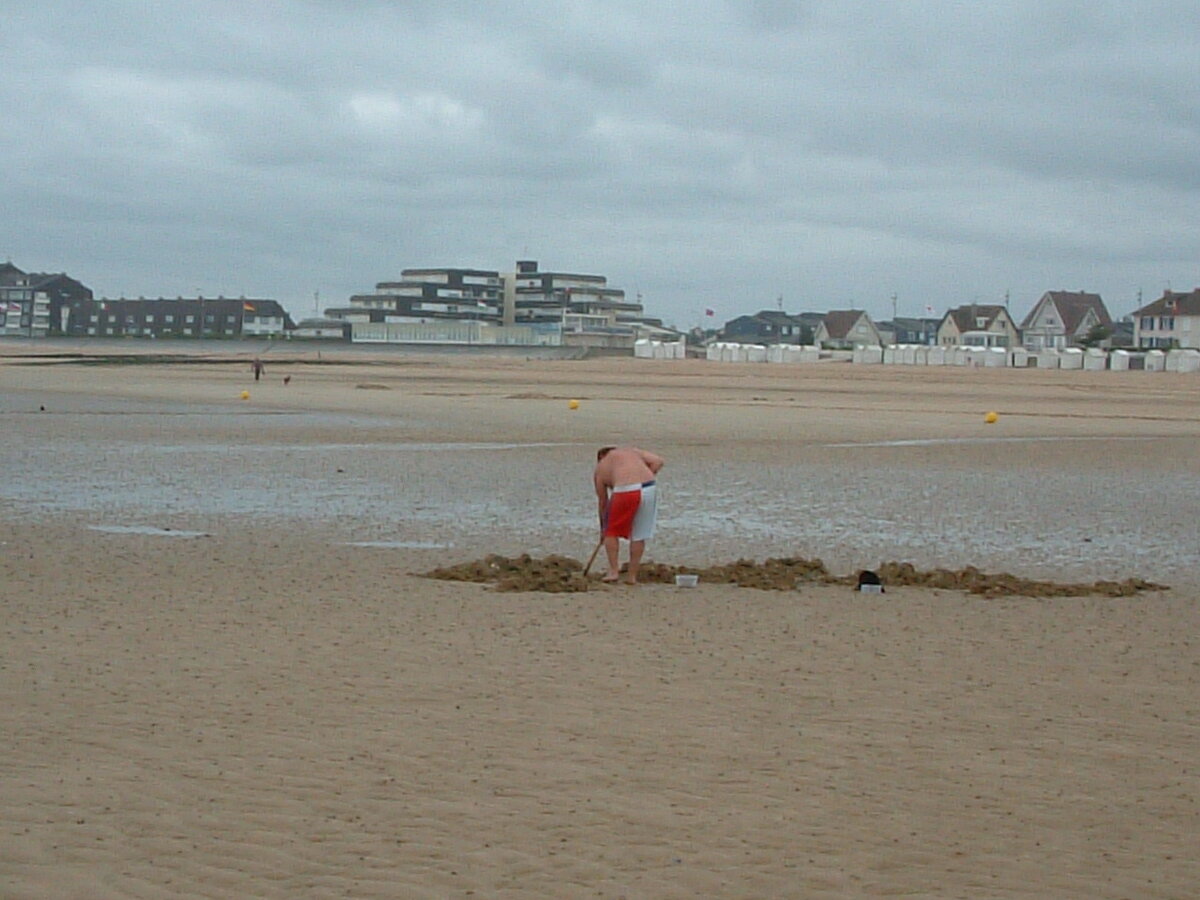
point(711, 154)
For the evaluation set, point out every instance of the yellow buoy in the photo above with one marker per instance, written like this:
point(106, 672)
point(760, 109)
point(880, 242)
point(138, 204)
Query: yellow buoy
point(245, 395)
point(574, 404)
point(991, 418)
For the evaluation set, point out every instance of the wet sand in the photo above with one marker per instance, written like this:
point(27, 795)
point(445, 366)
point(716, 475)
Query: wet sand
point(212, 697)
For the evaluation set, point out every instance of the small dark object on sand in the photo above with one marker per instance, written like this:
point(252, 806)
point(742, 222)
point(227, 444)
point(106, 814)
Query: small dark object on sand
point(870, 580)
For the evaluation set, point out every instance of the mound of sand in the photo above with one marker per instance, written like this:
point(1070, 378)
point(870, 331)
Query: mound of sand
point(557, 574)
point(554, 574)
point(1002, 584)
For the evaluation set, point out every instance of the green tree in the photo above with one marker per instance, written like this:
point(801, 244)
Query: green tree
point(1096, 336)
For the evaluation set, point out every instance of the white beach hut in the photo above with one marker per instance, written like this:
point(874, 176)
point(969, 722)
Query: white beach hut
point(908, 355)
point(1156, 361)
point(1119, 360)
point(1095, 359)
point(920, 356)
point(775, 353)
point(936, 356)
point(713, 352)
point(1183, 360)
point(995, 358)
point(1070, 358)
point(643, 348)
point(1018, 358)
point(891, 355)
point(1048, 358)
point(756, 353)
point(790, 353)
point(872, 354)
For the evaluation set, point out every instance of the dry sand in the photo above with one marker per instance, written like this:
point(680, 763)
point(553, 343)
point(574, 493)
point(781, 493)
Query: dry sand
point(269, 711)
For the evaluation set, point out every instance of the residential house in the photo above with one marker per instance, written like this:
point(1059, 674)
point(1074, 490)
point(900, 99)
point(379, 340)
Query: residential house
point(810, 321)
point(845, 329)
point(768, 326)
point(1063, 319)
point(978, 325)
point(35, 304)
point(904, 330)
point(1173, 320)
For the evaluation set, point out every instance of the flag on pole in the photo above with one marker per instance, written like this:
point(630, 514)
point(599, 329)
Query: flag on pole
point(709, 312)
point(247, 307)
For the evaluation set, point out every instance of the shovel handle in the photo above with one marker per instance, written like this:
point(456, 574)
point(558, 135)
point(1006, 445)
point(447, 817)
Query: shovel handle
point(592, 558)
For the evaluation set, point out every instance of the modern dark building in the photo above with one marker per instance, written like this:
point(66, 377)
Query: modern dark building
point(566, 303)
point(430, 295)
point(198, 317)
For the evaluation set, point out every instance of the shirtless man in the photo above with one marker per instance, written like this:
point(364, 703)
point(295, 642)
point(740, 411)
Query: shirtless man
point(624, 480)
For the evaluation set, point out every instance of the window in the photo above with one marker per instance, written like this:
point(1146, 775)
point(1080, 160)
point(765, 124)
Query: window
point(168, 318)
point(1166, 323)
point(189, 319)
point(1147, 323)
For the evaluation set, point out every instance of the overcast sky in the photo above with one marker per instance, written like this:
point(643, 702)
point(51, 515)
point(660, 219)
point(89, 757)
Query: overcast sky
point(704, 154)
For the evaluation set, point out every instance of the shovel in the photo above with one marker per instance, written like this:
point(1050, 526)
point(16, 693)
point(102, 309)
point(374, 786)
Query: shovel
point(592, 558)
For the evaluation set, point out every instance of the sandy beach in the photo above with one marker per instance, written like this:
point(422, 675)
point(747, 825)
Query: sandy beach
point(222, 674)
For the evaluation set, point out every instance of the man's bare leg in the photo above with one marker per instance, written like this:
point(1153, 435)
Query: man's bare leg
point(636, 548)
point(612, 548)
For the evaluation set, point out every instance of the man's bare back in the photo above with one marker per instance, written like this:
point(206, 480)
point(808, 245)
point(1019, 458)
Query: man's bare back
point(626, 465)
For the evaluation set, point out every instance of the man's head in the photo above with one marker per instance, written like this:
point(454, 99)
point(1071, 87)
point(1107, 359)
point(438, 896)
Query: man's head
point(603, 452)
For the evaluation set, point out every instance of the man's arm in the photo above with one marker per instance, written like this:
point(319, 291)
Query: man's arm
point(601, 494)
point(653, 461)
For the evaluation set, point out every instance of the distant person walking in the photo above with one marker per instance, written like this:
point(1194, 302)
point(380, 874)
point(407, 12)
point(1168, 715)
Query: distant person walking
point(628, 503)
point(257, 368)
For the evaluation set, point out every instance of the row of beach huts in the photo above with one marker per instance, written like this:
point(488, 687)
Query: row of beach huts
point(1092, 359)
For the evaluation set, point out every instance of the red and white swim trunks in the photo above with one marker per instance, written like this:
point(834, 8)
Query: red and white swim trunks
point(631, 512)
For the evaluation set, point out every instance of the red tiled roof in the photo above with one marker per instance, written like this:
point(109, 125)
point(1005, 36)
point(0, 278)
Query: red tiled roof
point(838, 322)
point(1172, 303)
point(1072, 307)
point(964, 317)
